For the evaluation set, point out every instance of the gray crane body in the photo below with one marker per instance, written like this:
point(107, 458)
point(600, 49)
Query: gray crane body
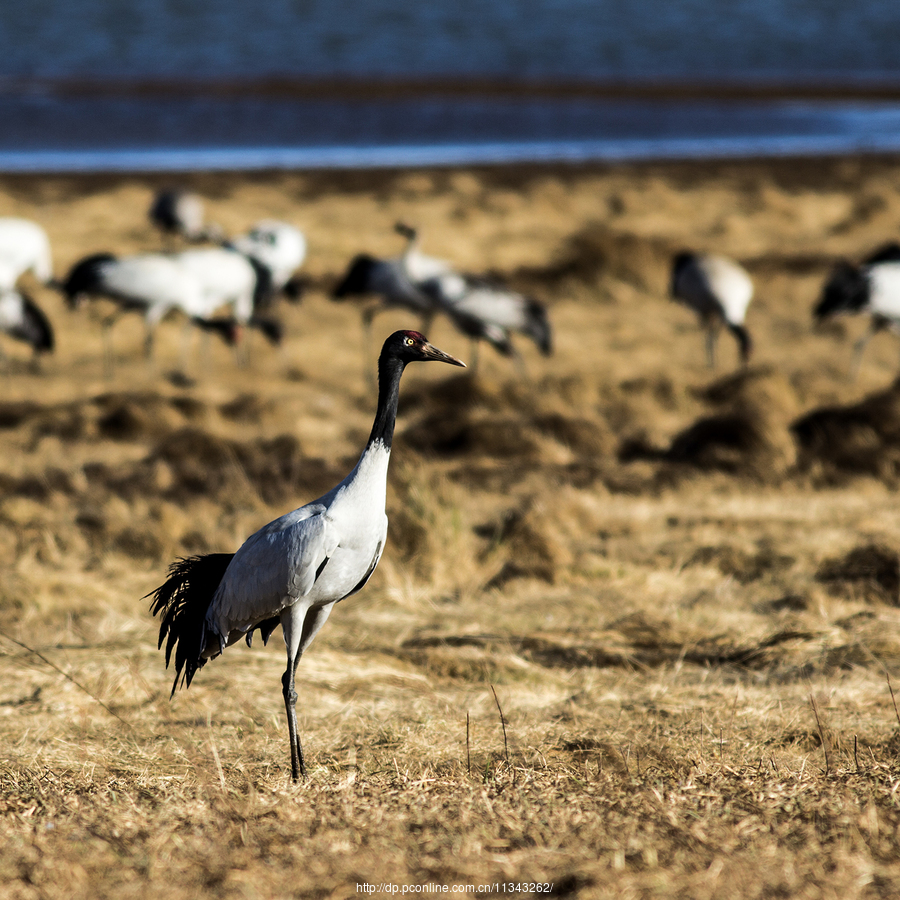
point(298, 566)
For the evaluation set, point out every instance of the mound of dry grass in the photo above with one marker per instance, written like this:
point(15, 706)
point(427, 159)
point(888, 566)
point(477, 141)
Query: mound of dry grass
point(198, 462)
point(741, 565)
point(599, 253)
point(117, 416)
point(858, 439)
point(870, 572)
point(749, 436)
point(531, 543)
point(489, 437)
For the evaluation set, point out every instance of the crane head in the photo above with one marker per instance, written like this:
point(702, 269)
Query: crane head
point(84, 278)
point(411, 346)
point(845, 291)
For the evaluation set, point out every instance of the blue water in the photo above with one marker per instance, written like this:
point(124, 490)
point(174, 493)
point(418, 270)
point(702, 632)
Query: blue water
point(589, 40)
point(52, 123)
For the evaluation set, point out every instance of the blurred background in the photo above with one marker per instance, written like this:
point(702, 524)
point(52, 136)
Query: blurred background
point(144, 84)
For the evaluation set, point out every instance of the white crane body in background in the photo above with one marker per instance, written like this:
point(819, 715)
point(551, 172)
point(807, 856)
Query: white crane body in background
point(24, 247)
point(153, 284)
point(281, 248)
point(181, 213)
point(719, 291)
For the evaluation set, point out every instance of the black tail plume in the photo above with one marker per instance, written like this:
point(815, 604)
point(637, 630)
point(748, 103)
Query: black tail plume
point(846, 291)
point(182, 601)
point(889, 252)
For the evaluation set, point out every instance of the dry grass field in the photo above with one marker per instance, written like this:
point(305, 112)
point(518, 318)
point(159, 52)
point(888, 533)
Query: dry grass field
point(681, 587)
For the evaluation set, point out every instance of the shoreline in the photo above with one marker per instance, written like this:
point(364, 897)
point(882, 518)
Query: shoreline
point(244, 160)
point(809, 170)
point(223, 126)
point(451, 157)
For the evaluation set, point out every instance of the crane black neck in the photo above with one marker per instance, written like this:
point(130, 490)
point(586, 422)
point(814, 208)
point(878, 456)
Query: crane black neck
point(390, 368)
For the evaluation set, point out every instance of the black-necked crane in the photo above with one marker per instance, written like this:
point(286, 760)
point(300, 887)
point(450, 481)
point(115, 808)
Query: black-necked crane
point(872, 288)
point(181, 213)
point(24, 247)
point(281, 248)
point(292, 571)
point(481, 308)
point(719, 291)
point(21, 318)
point(152, 284)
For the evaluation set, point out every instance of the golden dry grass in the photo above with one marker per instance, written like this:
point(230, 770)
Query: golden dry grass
point(684, 588)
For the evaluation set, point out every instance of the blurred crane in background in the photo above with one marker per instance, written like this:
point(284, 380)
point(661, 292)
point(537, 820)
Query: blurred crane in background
point(719, 291)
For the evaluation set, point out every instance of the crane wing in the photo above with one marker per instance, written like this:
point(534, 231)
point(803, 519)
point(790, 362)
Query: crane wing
point(273, 568)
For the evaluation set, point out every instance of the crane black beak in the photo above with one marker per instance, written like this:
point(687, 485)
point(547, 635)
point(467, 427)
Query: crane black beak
point(430, 352)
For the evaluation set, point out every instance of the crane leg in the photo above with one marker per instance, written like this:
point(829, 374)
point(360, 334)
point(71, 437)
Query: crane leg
point(108, 359)
point(242, 350)
point(299, 625)
point(107, 352)
point(858, 349)
point(298, 766)
point(186, 336)
point(520, 364)
point(148, 344)
point(711, 335)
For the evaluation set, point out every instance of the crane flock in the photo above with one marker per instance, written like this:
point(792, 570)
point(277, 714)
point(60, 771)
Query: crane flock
point(243, 275)
point(238, 277)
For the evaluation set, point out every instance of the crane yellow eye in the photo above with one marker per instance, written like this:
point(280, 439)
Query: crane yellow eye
point(409, 342)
